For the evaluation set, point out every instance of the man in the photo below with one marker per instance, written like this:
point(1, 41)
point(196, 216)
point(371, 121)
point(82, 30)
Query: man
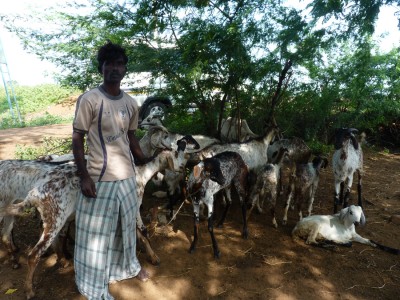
point(105, 248)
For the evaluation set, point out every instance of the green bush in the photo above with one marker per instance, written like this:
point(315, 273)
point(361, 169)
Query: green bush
point(50, 145)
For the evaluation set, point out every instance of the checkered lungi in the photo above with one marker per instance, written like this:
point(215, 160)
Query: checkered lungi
point(105, 241)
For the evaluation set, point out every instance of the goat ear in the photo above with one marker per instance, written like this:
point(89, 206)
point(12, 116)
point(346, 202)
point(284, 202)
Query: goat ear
point(196, 171)
point(343, 213)
point(362, 219)
point(155, 138)
point(170, 162)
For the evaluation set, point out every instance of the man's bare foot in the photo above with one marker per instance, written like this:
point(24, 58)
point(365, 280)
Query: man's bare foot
point(143, 275)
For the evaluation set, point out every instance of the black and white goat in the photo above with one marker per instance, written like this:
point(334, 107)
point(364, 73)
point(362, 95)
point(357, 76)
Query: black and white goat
point(325, 230)
point(303, 185)
point(210, 176)
point(264, 182)
point(347, 159)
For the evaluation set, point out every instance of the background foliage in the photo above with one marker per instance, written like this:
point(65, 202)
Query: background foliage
point(311, 69)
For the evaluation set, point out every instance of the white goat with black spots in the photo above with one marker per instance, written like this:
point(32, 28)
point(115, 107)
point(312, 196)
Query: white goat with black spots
point(210, 176)
point(303, 185)
point(264, 182)
point(347, 159)
point(325, 230)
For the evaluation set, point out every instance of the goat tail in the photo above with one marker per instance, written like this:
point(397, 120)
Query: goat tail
point(385, 248)
point(18, 209)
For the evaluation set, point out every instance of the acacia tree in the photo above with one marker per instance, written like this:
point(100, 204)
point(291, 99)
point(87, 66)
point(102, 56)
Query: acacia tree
point(224, 56)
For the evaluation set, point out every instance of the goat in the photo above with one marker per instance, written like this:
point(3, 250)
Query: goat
point(150, 121)
point(303, 185)
point(347, 159)
point(253, 152)
point(323, 230)
point(236, 130)
point(156, 138)
point(298, 153)
point(264, 182)
point(207, 178)
point(53, 190)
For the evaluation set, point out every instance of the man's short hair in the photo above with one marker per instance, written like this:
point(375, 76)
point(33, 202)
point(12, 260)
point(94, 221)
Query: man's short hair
point(110, 52)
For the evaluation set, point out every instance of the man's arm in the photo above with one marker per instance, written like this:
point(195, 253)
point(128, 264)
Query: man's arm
point(78, 148)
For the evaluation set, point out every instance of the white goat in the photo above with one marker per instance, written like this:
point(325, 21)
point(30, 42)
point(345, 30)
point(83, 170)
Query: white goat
point(156, 138)
point(347, 159)
point(53, 190)
point(323, 230)
point(207, 178)
point(264, 183)
point(303, 185)
point(236, 130)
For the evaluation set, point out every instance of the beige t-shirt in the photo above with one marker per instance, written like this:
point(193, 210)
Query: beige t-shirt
point(106, 119)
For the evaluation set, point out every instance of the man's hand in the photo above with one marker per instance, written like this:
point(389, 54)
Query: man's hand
point(88, 187)
point(144, 160)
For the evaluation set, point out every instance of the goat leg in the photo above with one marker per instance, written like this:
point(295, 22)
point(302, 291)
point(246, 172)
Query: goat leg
point(359, 187)
point(245, 232)
point(346, 199)
point(341, 193)
point(195, 234)
point(217, 253)
point(152, 256)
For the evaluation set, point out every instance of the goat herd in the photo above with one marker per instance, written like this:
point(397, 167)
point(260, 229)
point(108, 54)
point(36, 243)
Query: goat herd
point(253, 167)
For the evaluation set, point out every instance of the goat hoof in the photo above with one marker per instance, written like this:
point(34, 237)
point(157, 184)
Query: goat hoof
point(284, 222)
point(245, 234)
point(192, 249)
point(155, 261)
point(217, 254)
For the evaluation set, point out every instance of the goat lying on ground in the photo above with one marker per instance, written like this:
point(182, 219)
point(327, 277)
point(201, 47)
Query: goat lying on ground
point(236, 130)
point(338, 229)
point(303, 185)
point(347, 159)
point(209, 177)
point(264, 183)
point(53, 190)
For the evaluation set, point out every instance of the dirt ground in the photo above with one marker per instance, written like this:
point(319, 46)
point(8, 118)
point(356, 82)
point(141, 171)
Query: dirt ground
point(268, 265)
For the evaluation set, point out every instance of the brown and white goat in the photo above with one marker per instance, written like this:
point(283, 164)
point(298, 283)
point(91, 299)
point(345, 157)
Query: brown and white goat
point(347, 159)
point(209, 177)
point(264, 183)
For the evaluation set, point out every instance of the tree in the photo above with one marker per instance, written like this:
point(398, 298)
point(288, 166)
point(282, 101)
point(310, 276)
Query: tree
point(227, 57)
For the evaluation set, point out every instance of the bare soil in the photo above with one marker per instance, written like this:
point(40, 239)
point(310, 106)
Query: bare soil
point(268, 265)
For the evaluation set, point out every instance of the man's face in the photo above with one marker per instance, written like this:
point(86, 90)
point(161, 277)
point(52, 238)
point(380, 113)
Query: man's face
point(114, 70)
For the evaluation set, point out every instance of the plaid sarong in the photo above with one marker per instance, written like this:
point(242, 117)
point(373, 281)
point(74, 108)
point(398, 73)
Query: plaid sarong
point(105, 242)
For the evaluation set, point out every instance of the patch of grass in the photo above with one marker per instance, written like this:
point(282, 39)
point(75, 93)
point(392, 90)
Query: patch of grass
point(50, 145)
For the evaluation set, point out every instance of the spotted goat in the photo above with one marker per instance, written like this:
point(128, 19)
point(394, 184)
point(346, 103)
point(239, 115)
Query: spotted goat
point(347, 159)
point(211, 176)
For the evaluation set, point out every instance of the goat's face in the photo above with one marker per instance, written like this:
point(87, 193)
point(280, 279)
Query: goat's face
point(159, 138)
point(342, 135)
point(352, 215)
point(187, 142)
